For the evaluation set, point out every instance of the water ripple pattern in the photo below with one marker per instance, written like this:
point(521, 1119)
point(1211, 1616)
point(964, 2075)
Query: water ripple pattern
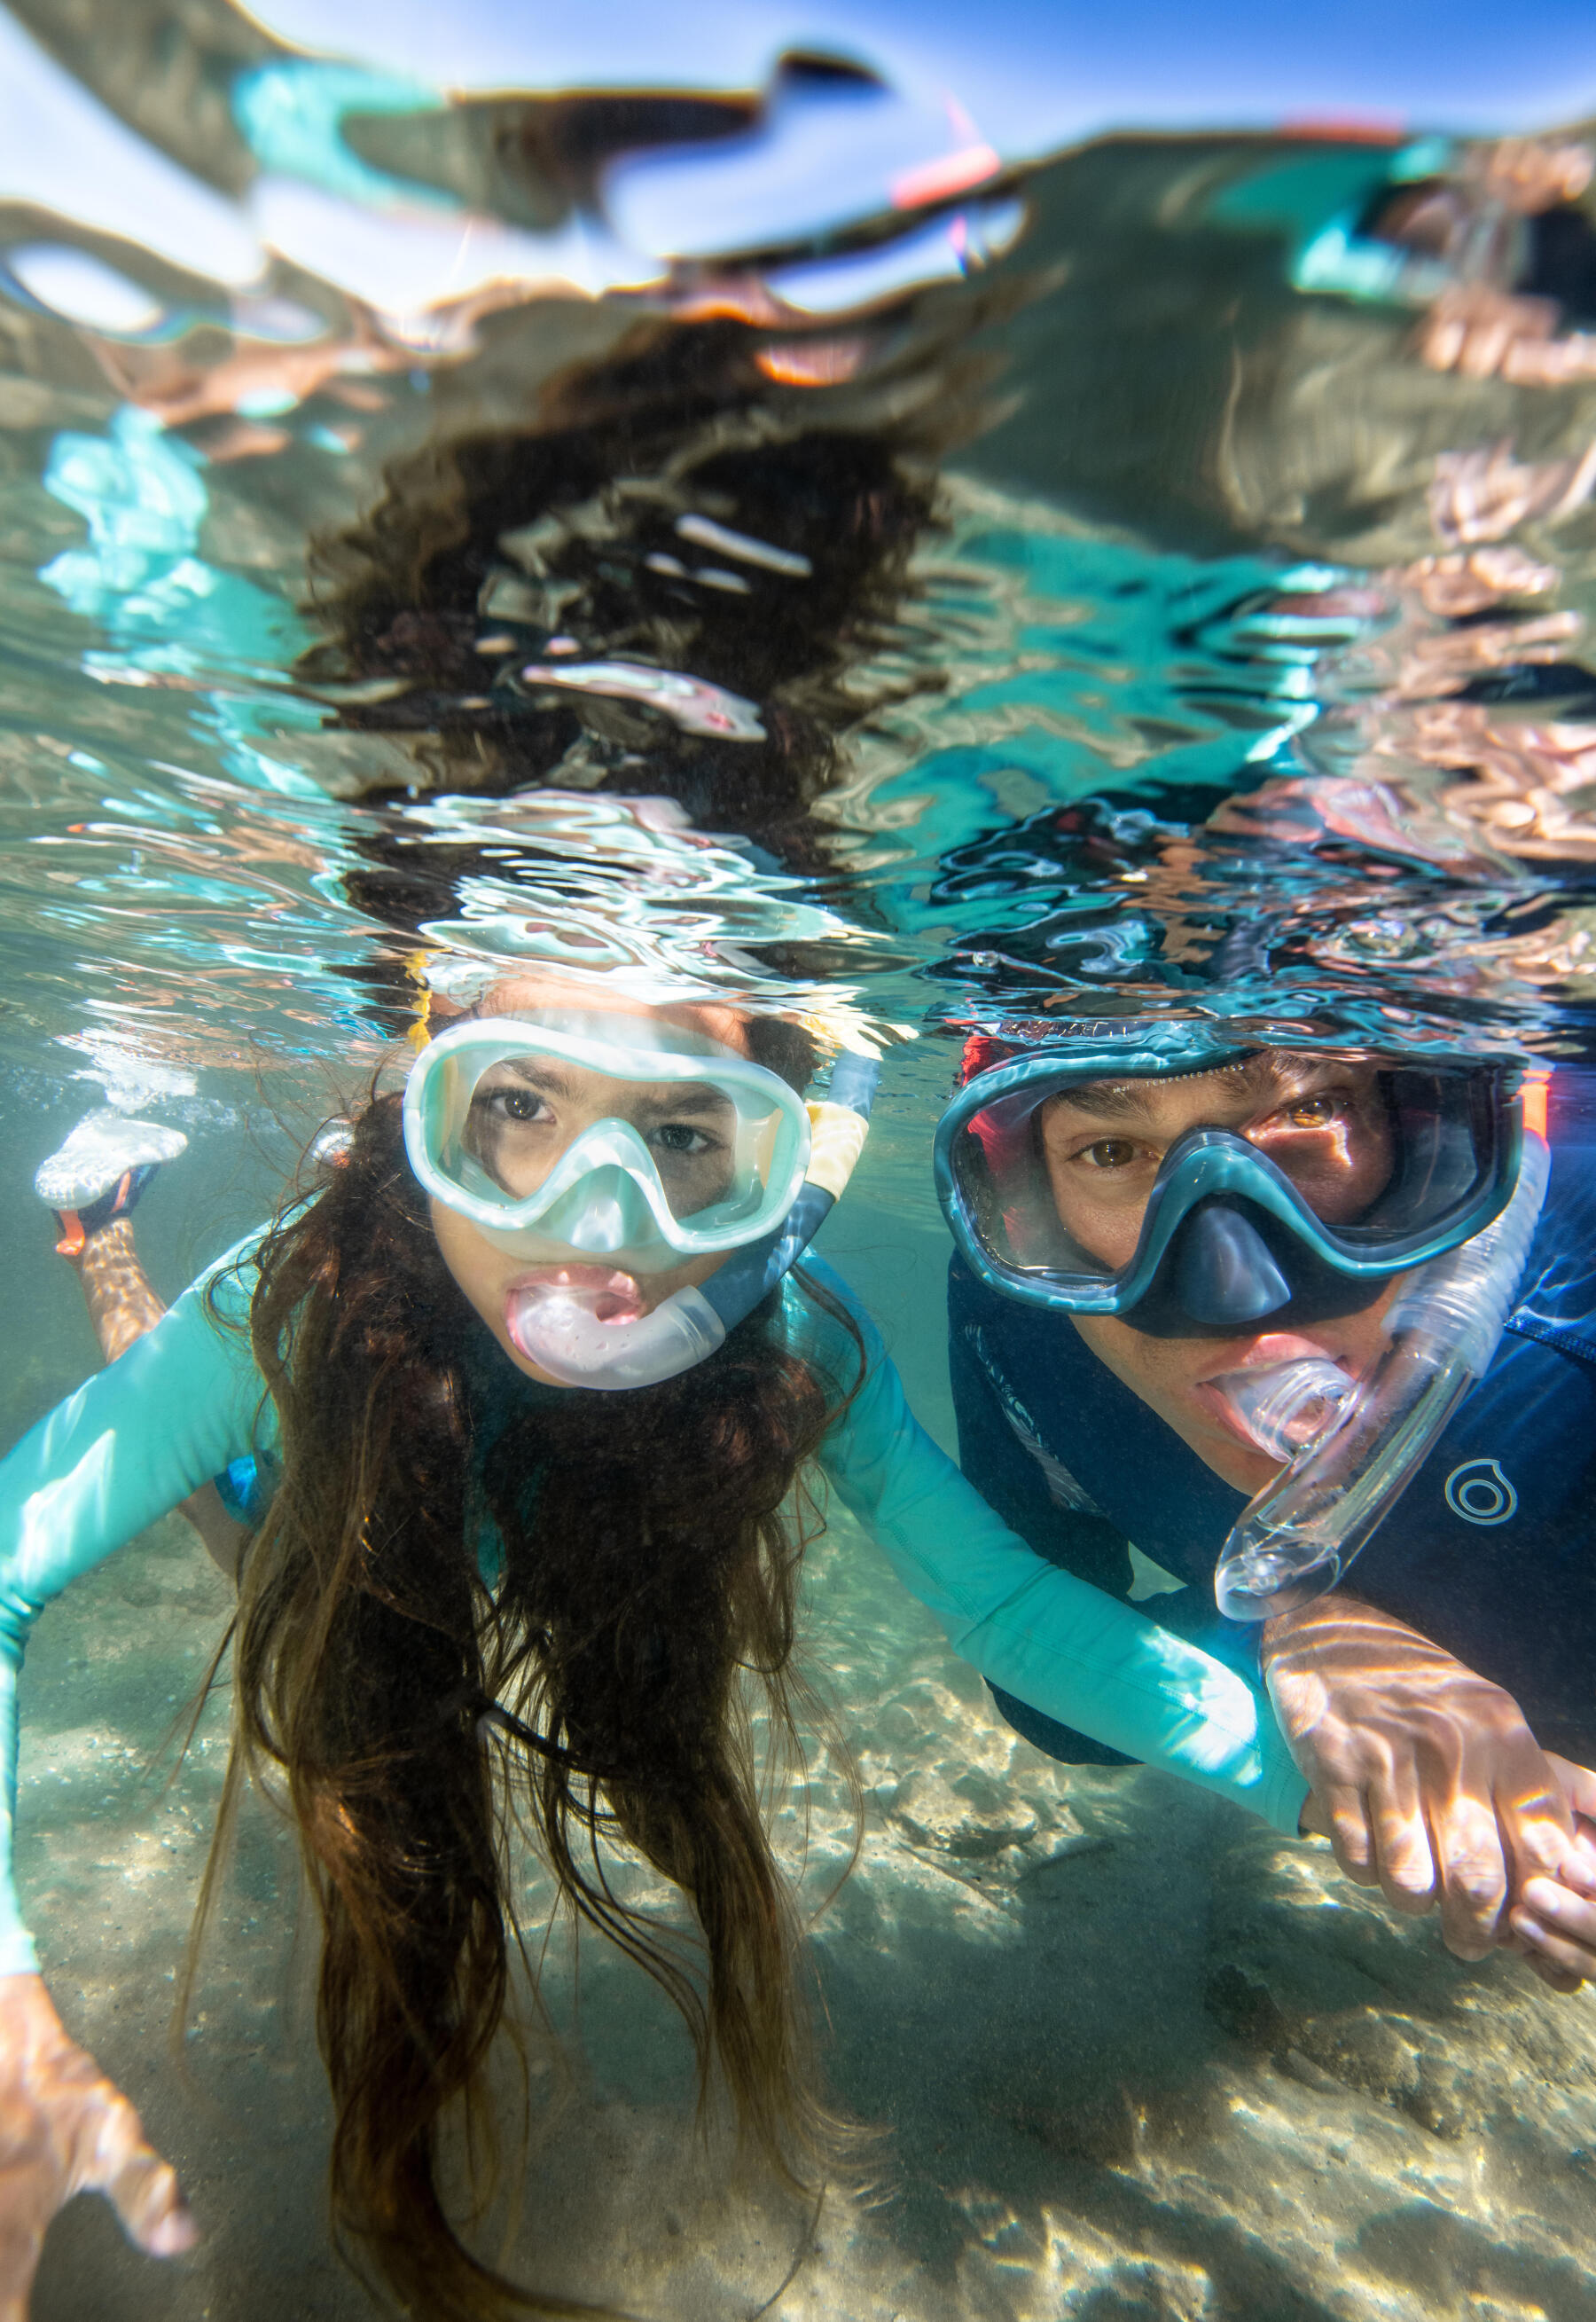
point(783, 533)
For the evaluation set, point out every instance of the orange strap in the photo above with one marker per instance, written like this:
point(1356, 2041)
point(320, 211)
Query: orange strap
point(73, 1236)
point(1532, 1102)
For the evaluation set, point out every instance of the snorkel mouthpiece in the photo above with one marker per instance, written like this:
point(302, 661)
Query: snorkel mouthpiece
point(1289, 1408)
point(565, 1330)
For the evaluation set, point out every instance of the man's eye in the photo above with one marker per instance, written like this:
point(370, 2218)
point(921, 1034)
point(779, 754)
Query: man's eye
point(1111, 1153)
point(1312, 1112)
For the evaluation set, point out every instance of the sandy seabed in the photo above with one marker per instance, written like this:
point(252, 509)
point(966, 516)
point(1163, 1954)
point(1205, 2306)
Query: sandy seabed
point(1138, 2057)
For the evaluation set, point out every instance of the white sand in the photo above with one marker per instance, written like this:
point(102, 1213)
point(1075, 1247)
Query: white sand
point(1139, 2058)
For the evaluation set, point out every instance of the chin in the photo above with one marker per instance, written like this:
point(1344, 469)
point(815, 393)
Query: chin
point(1240, 1465)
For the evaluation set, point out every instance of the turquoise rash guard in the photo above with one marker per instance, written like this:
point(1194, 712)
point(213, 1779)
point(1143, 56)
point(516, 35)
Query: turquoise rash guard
point(186, 1400)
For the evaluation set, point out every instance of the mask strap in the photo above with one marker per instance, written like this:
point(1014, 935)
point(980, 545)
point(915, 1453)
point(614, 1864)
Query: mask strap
point(838, 1127)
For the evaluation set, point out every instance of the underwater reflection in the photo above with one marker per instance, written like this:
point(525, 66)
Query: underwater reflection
point(476, 585)
point(1384, 859)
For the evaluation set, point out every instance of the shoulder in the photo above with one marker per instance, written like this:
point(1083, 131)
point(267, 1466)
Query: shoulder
point(1025, 1355)
point(228, 1285)
point(1556, 1299)
point(827, 1323)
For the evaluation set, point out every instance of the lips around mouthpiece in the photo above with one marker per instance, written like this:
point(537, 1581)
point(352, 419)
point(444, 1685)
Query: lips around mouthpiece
point(587, 1328)
point(1287, 1408)
point(566, 1301)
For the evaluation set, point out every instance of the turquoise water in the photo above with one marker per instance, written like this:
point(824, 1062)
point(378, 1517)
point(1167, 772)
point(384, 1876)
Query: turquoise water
point(1157, 620)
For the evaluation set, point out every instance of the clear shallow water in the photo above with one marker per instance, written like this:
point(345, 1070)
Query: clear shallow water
point(1141, 630)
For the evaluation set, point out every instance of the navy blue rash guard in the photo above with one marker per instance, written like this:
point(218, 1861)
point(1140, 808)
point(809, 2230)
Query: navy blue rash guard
point(1490, 1551)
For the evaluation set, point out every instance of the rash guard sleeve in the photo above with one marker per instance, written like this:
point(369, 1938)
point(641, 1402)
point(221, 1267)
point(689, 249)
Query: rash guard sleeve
point(186, 1400)
point(1080, 1655)
point(171, 1413)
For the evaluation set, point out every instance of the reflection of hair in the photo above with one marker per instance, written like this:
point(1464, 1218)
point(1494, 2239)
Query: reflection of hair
point(568, 524)
point(647, 1564)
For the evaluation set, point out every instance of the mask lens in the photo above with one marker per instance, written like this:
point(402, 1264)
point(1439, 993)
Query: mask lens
point(602, 1140)
point(525, 1112)
point(1057, 1176)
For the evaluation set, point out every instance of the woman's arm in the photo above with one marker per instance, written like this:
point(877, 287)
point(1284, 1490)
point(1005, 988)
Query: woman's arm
point(1077, 1655)
point(170, 1413)
point(142, 1434)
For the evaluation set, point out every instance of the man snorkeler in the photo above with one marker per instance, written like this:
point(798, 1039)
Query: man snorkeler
point(1228, 1301)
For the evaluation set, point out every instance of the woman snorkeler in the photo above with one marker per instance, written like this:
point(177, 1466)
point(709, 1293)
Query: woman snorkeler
point(542, 1409)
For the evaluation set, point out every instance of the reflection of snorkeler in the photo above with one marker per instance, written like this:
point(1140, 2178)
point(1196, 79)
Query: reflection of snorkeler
point(1407, 771)
point(1176, 1258)
point(658, 582)
point(473, 1590)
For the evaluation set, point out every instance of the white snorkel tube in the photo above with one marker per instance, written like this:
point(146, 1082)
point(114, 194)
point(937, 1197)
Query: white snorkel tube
point(562, 1330)
point(1353, 1446)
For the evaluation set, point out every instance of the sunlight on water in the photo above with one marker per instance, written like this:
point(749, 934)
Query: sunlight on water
point(760, 543)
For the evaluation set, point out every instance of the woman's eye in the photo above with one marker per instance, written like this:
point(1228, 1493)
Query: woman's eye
point(513, 1104)
point(1109, 1153)
point(678, 1137)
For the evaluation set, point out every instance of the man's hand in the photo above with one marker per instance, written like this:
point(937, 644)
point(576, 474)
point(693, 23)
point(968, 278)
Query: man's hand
point(1553, 1923)
point(1425, 1777)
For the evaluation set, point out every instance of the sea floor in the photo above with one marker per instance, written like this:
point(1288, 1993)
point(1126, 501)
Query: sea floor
point(1136, 2056)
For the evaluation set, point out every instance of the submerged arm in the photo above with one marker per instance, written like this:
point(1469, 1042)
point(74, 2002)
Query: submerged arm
point(1077, 1654)
point(172, 1410)
point(166, 1416)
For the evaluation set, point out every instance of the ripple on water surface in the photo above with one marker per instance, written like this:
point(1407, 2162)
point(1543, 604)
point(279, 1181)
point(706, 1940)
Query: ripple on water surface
point(771, 544)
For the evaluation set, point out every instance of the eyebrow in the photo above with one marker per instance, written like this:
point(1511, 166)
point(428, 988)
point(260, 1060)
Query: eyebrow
point(534, 1071)
point(1271, 1075)
point(691, 1096)
point(1107, 1100)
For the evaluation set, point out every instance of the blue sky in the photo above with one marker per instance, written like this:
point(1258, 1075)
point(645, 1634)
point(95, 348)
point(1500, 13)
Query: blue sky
point(1034, 73)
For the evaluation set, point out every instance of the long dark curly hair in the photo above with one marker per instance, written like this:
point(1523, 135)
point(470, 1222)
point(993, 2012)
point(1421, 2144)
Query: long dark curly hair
point(564, 527)
point(599, 1686)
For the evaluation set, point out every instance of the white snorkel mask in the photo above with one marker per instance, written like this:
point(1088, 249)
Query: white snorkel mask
point(602, 1148)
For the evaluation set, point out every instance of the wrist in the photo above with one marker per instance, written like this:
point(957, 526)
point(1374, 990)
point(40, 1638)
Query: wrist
point(1321, 1612)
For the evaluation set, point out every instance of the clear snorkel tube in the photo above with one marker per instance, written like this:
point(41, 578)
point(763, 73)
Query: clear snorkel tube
point(1353, 1446)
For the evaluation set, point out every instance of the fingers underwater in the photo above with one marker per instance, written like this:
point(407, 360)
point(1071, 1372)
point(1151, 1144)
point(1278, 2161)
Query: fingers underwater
point(1468, 1846)
point(1564, 1964)
point(143, 2187)
point(1408, 1875)
point(21, 2238)
point(1351, 1834)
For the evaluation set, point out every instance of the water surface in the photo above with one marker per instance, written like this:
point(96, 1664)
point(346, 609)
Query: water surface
point(1030, 588)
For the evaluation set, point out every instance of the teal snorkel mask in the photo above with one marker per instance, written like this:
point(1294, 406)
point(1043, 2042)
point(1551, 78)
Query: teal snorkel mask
point(601, 1149)
point(1319, 1169)
point(1191, 1187)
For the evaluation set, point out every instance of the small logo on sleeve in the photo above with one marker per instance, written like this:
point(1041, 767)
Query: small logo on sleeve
point(1480, 1493)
